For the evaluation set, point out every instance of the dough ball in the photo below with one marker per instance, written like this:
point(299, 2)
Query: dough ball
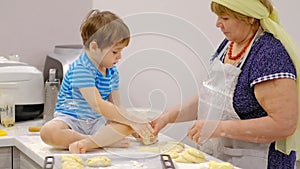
point(99, 161)
point(219, 165)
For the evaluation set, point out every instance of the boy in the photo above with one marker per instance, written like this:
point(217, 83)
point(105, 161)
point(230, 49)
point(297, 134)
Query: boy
point(88, 113)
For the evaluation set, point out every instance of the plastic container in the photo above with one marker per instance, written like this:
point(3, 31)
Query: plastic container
point(7, 107)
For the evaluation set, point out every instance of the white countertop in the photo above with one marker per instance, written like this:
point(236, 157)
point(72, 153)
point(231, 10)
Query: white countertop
point(28, 142)
point(31, 144)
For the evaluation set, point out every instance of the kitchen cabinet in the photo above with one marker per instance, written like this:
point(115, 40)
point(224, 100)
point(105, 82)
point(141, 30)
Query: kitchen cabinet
point(22, 161)
point(13, 158)
point(6, 157)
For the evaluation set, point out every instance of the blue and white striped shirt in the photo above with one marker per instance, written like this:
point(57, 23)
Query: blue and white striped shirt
point(81, 74)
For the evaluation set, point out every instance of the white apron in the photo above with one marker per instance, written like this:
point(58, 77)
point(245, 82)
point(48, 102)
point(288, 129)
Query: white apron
point(216, 103)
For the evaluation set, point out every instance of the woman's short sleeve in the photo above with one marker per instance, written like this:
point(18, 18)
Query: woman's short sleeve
point(271, 61)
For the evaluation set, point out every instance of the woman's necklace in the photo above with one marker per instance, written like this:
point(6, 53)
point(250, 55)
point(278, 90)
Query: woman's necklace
point(241, 53)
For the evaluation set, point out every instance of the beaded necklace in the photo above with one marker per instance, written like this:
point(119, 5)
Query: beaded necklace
point(241, 52)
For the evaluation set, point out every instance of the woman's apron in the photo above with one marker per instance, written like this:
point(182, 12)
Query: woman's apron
point(215, 104)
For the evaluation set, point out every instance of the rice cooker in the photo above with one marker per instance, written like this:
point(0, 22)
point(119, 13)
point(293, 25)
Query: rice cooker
point(24, 83)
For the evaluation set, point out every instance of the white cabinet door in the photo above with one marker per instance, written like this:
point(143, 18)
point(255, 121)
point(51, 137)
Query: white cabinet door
point(6, 157)
point(22, 161)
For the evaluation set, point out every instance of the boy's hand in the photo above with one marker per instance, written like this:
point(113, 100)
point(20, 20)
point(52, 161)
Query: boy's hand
point(137, 136)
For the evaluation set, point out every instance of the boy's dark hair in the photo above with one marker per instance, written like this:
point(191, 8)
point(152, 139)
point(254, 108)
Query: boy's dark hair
point(105, 28)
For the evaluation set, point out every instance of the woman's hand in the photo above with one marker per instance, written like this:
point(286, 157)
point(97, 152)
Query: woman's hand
point(202, 130)
point(195, 132)
point(159, 123)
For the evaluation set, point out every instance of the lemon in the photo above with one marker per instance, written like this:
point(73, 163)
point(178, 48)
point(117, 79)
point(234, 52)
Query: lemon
point(3, 133)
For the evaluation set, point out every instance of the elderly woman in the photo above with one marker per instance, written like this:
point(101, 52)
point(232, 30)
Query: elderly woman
point(248, 108)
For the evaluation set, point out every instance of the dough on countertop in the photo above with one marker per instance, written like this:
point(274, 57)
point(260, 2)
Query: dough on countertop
point(172, 146)
point(180, 159)
point(191, 155)
point(151, 148)
point(136, 163)
point(71, 162)
point(173, 154)
point(34, 128)
point(99, 161)
point(163, 147)
point(149, 140)
point(219, 165)
point(195, 152)
point(186, 155)
point(75, 158)
point(71, 165)
point(177, 143)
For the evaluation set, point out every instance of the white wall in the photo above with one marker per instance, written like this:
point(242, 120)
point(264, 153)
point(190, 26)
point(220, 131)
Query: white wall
point(31, 28)
point(169, 49)
point(289, 17)
point(167, 55)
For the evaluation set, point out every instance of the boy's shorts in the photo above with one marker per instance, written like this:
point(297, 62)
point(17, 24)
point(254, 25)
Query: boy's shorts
point(83, 126)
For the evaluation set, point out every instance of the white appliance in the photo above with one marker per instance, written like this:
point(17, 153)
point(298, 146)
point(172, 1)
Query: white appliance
point(25, 83)
point(61, 59)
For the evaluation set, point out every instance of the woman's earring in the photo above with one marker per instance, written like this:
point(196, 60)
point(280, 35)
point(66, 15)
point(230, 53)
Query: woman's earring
point(252, 21)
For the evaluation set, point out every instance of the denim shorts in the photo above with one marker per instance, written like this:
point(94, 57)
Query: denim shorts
point(83, 126)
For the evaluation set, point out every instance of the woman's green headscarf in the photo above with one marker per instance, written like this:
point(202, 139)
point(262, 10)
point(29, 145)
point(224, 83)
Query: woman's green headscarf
point(270, 23)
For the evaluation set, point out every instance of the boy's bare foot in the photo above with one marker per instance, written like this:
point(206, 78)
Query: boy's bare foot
point(77, 148)
point(124, 143)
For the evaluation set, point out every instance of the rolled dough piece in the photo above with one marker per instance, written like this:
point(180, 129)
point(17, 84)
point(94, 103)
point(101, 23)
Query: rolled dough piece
point(191, 155)
point(74, 158)
point(34, 128)
point(219, 165)
point(150, 140)
point(173, 154)
point(180, 159)
point(186, 155)
point(195, 152)
point(71, 165)
point(177, 143)
point(98, 161)
point(172, 146)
